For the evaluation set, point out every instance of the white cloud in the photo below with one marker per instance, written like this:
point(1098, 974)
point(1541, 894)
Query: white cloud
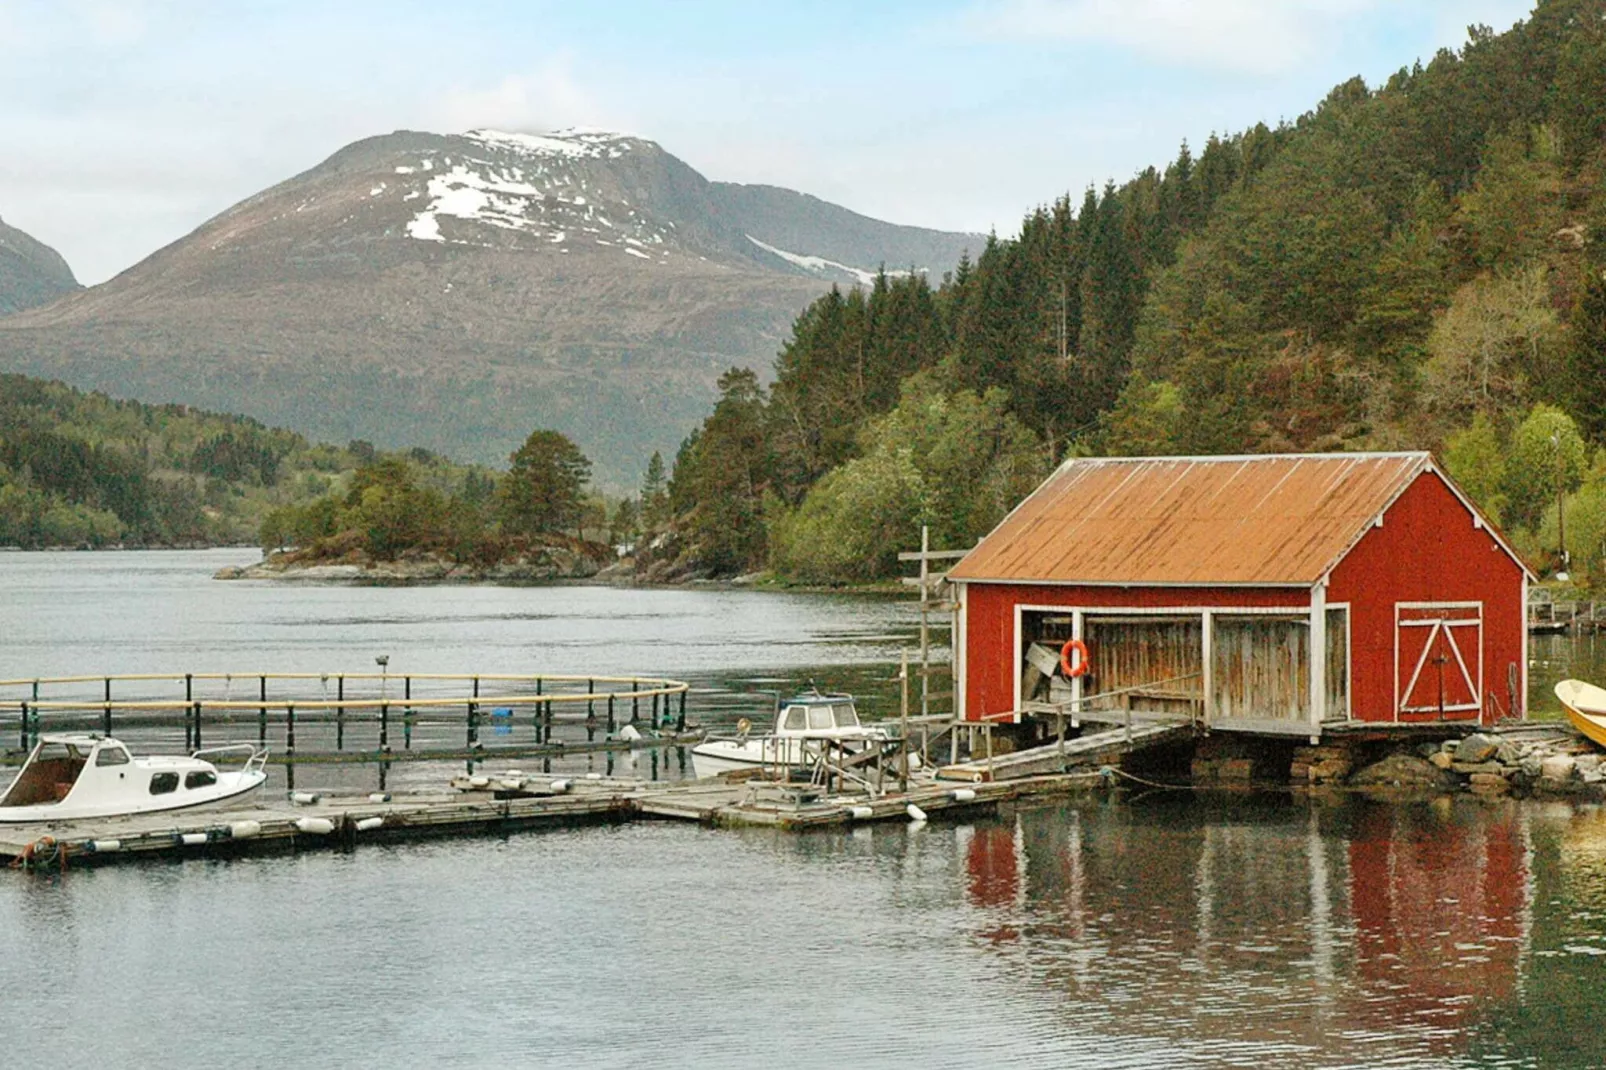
point(1258, 37)
point(546, 98)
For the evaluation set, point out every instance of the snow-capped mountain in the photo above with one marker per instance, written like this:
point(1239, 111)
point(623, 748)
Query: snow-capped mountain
point(455, 291)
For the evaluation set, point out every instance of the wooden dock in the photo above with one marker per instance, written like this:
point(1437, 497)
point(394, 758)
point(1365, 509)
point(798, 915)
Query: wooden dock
point(1085, 752)
point(1547, 616)
point(490, 805)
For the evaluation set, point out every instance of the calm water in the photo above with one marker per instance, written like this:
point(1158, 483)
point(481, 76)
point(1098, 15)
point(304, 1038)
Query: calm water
point(1159, 929)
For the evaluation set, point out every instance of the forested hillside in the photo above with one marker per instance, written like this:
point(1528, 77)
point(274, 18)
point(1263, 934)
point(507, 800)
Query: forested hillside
point(1420, 264)
point(81, 469)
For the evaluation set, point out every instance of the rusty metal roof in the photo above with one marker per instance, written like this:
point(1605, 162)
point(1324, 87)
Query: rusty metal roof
point(1281, 520)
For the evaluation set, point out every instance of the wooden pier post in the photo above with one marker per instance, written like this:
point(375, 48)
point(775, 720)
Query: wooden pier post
point(340, 712)
point(106, 710)
point(262, 713)
point(903, 716)
point(407, 714)
point(23, 742)
point(197, 726)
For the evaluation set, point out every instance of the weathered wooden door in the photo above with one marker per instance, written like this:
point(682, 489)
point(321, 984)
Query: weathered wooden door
point(1438, 661)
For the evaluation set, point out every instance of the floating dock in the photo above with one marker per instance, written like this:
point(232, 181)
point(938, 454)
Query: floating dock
point(494, 807)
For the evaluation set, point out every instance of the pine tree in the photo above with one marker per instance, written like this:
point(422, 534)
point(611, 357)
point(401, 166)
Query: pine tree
point(542, 491)
point(655, 494)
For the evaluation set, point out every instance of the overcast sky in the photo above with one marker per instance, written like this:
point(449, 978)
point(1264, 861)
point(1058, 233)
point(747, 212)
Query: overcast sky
point(124, 125)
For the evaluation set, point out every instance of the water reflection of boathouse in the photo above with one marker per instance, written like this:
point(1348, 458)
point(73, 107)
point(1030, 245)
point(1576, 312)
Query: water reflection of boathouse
point(1263, 922)
point(1278, 594)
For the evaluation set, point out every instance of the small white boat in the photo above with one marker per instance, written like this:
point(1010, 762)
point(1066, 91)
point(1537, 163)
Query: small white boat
point(1586, 708)
point(76, 776)
point(803, 727)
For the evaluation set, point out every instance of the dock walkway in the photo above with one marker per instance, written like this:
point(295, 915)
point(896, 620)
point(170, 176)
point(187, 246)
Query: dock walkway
point(490, 808)
point(1093, 749)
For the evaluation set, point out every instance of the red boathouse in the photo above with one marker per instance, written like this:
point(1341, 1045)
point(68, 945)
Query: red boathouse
point(1270, 594)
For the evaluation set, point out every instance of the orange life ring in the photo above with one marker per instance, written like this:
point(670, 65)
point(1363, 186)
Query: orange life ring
point(1080, 667)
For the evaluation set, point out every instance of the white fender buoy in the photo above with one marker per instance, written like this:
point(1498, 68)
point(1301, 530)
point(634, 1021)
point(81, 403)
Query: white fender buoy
point(861, 813)
point(514, 774)
point(561, 785)
point(629, 733)
point(304, 798)
point(244, 830)
point(368, 824)
point(914, 812)
point(379, 796)
point(479, 781)
point(319, 826)
point(510, 784)
point(593, 776)
point(963, 794)
point(103, 847)
point(192, 839)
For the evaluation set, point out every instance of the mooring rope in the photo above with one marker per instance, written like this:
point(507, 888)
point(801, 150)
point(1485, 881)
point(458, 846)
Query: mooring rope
point(1110, 772)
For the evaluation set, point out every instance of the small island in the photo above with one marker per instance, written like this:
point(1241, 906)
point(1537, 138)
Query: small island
point(399, 522)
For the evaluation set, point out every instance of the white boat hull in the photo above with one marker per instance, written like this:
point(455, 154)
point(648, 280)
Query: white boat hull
point(731, 756)
point(76, 777)
point(720, 756)
point(229, 787)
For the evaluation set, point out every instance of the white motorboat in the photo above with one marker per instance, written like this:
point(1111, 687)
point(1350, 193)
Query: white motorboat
point(804, 727)
point(77, 776)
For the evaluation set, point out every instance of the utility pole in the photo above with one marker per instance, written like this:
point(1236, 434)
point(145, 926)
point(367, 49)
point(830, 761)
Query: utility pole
point(1561, 512)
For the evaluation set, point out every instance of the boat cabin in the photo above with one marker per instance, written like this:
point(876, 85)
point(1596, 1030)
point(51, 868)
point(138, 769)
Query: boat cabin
point(98, 767)
point(56, 764)
point(816, 713)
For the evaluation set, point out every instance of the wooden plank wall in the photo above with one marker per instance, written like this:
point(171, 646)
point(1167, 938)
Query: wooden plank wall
point(1146, 652)
point(1261, 668)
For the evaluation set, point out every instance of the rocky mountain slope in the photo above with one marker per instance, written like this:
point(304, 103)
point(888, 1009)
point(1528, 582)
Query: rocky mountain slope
point(31, 272)
point(455, 291)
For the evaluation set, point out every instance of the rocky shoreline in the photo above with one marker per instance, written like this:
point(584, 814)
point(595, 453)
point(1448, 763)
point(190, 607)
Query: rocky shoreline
point(1558, 763)
point(545, 564)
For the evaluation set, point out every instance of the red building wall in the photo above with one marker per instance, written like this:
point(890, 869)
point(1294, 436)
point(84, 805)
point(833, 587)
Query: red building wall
point(1426, 551)
point(990, 661)
point(1429, 551)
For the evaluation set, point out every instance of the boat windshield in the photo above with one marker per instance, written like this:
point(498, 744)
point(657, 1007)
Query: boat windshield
point(819, 717)
point(53, 752)
point(49, 776)
point(796, 719)
point(846, 715)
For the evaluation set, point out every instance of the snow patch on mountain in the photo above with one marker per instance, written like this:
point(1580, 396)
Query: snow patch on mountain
point(575, 142)
point(819, 265)
point(525, 183)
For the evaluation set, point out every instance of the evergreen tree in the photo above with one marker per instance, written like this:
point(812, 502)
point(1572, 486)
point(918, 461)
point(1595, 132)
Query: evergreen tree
point(655, 494)
point(721, 478)
point(542, 491)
